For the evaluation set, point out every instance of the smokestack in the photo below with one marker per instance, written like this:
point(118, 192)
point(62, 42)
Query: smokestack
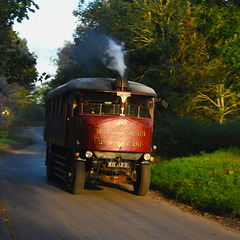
point(121, 84)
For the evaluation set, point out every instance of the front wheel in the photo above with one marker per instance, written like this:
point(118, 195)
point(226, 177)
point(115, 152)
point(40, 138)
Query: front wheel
point(79, 178)
point(142, 183)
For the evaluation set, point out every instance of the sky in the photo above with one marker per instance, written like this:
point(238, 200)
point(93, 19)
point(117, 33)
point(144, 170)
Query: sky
point(47, 29)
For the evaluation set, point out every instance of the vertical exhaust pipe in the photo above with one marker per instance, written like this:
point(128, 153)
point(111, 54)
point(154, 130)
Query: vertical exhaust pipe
point(121, 84)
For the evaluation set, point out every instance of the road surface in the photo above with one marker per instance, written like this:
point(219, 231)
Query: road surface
point(39, 210)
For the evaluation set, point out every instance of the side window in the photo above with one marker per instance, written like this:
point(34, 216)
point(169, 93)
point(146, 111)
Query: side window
point(48, 108)
point(69, 110)
point(75, 109)
point(72, 106)
point(56, 107)
point(59, 106)
point(139, 106)
point(100, 103)
point(52, 107)
point(91, 108)
point(63, 102)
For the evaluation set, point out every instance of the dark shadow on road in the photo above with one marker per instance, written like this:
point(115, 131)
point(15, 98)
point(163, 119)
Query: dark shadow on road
point(58, 183)
point(120, 187)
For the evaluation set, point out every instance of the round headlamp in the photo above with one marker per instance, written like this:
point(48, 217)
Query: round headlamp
point(88, 154)
point(147, 156)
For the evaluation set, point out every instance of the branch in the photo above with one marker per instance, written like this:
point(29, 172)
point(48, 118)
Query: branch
point(204, 96)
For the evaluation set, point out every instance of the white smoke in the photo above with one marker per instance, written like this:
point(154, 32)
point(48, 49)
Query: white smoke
point(103, 48)
point(114, 58)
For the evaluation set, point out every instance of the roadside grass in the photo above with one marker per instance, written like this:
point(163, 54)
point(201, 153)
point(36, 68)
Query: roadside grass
point(209, 182)
point(12, 140)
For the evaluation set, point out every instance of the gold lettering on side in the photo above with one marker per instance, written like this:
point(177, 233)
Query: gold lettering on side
point(134, 134)
point(118, 132)
point(99, 141)
point(107, 132)
point(121, 123)
point(100, 136)
point(135, 143)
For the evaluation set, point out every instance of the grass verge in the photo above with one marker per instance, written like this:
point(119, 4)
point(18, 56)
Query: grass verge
point(13, 140)
point(209, 182)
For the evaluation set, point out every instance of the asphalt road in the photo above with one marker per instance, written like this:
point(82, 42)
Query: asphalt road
point(39, 210)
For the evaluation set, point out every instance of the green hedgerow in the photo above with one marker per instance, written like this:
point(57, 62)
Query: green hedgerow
point(185, 136)
point(209, 181)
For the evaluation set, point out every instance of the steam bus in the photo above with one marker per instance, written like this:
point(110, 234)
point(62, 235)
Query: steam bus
point(100, 129)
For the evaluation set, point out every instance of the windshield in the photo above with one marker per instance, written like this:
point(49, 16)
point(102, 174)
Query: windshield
point(113, 104)
point(139, 106)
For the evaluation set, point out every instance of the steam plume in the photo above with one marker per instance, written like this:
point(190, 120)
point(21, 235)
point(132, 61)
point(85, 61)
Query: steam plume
point(98, 46)
point(114, 57)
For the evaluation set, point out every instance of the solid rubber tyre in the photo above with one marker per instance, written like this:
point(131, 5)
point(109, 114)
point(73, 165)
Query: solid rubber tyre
point(142, 183)
point(79, 178)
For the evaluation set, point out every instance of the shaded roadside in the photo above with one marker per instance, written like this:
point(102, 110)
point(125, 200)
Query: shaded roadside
point(4, 234)
point(19, 138)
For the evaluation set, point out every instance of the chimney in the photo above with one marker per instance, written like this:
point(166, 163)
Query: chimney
point(121, 84)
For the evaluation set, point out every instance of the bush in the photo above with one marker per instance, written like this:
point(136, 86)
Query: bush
point(179, 137)
point(12, 140)
point(3, 134)
point(210, 182)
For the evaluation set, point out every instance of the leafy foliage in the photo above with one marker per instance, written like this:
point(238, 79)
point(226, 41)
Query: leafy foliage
point(11, 10)
point(13, 103)
point(16, 63)
point(19, 64)
point(186, 50)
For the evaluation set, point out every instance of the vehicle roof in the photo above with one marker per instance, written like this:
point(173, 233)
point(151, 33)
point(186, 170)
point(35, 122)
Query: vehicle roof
point(98, 84)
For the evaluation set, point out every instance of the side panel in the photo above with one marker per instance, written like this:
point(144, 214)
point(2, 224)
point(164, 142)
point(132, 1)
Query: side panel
point(115, 133)
point(72, 131)
point(54, 129)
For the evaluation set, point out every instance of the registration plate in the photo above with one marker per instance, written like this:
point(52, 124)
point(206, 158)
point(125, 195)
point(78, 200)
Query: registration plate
point(118, 164)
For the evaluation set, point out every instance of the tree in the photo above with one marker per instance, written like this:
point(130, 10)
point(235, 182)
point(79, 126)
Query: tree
point(19, 67)
point(12, 56)
point(148, 29)
point(219, 21)
point(186, 50)
point(215, 102)
point(206, 74)
point(14, 101)
point(19, 64)
point(12, 9)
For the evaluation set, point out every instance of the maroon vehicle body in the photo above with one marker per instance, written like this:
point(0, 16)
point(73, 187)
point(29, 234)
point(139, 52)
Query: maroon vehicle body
point(100, 129)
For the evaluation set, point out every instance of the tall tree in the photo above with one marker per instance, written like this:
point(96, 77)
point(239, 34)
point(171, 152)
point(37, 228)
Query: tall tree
point(17, 64)
point(12, 56)
point(208, 80)
point(219, 21)
point(148, 29)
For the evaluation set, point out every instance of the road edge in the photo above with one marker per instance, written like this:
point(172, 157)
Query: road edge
point(4, 235)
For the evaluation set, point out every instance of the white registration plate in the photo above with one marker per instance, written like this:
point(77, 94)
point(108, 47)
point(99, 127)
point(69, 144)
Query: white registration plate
point(118, 164)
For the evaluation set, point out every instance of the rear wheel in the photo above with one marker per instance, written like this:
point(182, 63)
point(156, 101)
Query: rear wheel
point(142, 183)
point(78, 178)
